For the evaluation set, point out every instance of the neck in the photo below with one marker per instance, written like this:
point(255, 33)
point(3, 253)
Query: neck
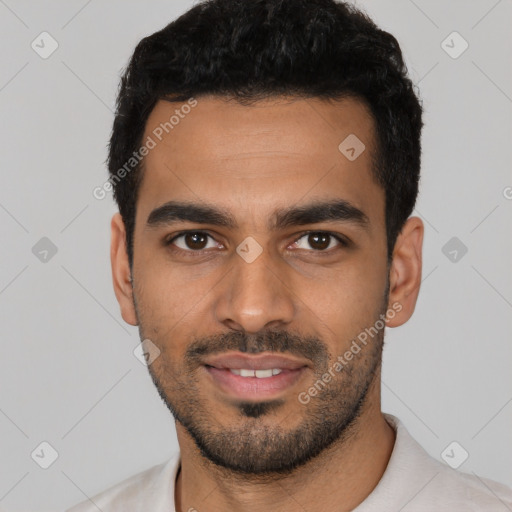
point(338, 479)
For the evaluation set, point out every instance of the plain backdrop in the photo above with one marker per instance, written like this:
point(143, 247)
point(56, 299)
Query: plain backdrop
point(68, 374)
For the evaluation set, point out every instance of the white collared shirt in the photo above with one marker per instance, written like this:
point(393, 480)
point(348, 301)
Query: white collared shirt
point(413, 482)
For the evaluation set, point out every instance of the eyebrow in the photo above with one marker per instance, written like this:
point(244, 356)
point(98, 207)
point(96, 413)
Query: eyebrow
point(336, 210)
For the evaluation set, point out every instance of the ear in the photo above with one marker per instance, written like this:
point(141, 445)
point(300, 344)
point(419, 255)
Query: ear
point(405, 272)
point(121, 274)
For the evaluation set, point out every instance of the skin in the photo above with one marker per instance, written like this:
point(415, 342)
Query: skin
point(251, 160)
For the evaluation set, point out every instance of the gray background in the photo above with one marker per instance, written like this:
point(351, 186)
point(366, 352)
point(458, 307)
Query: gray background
point(68, 375)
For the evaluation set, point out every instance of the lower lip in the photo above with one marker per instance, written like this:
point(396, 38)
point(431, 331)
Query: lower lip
point(254, 387)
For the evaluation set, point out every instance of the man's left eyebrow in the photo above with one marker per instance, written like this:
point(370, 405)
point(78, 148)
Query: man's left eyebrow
point(337, 210)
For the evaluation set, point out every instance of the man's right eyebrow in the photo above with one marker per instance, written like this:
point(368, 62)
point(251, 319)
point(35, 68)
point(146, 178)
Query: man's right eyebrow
point(175, 211)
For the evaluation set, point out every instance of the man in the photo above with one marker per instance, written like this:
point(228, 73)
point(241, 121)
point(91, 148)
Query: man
point(265, 159)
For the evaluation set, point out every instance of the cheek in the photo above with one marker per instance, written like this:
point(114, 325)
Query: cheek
point(348, 299)
point(170, 297)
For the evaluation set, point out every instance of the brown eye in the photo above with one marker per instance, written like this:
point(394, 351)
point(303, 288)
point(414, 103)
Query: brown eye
point(195, 240)
point(191, 241)
point(319, 241)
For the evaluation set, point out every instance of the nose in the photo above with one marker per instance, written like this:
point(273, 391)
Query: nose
point(255, 295)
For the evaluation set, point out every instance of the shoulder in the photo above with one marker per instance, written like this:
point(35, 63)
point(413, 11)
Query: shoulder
point(426, 483)
point(450, 491)
point(472, 491)
point(152, 489)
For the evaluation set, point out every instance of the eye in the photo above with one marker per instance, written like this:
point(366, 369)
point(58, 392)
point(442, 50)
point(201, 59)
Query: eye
point(197, 241)
point(320, 241)
point(192, 241)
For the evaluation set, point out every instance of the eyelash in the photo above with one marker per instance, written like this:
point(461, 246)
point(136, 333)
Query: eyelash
point(344, 243)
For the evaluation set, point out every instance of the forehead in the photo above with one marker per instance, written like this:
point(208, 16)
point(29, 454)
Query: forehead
point(276, 151)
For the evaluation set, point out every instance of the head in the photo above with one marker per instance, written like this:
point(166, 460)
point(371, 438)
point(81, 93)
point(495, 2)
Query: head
point(271, 155)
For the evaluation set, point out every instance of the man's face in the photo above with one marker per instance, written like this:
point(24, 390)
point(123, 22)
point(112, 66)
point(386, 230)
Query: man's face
point(267, 283)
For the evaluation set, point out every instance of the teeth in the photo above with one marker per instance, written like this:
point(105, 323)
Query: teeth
point(260, 374)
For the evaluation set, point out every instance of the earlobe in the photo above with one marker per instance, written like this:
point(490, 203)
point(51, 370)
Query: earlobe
point(405, 272)
point(121, 274)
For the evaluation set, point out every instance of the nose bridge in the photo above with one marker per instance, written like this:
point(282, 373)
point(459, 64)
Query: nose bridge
point(254, 295)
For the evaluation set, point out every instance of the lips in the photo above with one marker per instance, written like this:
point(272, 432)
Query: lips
point(262, 376)
point(239, 361)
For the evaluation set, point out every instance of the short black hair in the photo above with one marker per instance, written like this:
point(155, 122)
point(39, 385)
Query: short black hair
point(250, 50)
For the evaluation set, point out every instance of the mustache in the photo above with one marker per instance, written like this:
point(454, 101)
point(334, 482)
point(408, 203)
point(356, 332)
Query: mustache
point(308, 347)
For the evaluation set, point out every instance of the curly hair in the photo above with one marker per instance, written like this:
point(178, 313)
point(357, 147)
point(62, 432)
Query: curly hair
point(253, 50)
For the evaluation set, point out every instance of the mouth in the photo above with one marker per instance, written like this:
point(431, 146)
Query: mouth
point(254, 377)
point(260, 374)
